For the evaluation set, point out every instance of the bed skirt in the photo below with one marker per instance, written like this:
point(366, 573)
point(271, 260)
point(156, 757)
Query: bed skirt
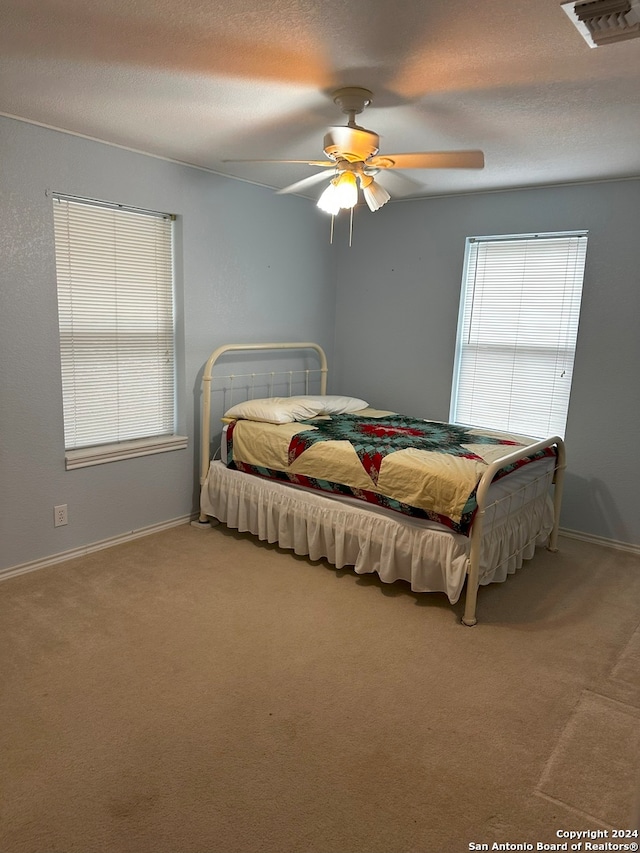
point(428, 556)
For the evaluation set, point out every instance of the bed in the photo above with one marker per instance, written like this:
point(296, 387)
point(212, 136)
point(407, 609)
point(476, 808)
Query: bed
point(441, 506)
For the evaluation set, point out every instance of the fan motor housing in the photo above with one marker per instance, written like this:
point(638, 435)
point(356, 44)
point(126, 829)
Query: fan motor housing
point(351, 143)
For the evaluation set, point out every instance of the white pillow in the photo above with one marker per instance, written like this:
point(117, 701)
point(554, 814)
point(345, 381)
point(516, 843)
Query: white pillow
point(285, 410)
point(334, 404)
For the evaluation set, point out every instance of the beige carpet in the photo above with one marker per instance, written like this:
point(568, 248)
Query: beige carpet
point(200, 691)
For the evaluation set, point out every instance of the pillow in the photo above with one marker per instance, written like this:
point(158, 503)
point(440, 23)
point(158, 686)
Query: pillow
point(334, 404)
point(272, 410)
point(285, 410)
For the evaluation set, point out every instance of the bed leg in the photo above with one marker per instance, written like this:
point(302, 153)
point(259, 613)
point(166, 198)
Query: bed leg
point(473, 572)
point(205, 523)
point(469, 617)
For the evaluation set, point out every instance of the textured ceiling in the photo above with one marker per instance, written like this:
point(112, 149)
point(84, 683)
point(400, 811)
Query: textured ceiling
point(200, 82)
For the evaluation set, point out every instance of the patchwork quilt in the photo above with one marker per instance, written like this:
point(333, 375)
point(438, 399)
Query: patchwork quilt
point(425, 469)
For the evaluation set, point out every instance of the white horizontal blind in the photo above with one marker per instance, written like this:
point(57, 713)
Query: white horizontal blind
point(115, 305)
point(517, 332)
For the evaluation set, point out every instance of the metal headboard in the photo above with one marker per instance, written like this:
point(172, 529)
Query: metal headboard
point(207, 378)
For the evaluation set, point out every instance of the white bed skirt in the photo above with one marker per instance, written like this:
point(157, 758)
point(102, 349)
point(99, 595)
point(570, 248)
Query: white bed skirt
point(428, 556)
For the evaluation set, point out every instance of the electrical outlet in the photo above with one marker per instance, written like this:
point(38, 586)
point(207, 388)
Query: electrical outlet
point(60, 515)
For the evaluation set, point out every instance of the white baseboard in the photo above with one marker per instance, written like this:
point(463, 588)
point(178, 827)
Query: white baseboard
point(13, 571)
point(600, 540)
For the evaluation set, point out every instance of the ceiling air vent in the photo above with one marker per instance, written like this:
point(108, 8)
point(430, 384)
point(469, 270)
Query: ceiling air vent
point(601, 22)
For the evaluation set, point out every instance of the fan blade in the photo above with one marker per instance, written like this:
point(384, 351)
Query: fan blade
point(324, 163)
point(304, 183)
point(429, 160)
point(396, 183)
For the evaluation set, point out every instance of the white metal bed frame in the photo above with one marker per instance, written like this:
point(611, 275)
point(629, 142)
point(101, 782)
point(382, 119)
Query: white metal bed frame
point(473, 566)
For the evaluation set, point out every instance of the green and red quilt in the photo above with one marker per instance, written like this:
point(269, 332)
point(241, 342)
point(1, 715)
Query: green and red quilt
point(425, 469)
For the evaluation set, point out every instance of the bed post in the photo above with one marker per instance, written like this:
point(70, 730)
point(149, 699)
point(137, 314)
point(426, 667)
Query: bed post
point(205, 427)
point(558, 481)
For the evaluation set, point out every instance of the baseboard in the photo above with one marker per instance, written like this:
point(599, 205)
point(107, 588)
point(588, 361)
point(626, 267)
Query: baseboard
point(13, 571)
point(600, 540)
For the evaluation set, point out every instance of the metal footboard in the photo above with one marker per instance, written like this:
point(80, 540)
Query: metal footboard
point(476, 537)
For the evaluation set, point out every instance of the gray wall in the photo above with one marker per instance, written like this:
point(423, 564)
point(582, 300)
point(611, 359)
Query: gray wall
point(252, 266)
point(396, 314)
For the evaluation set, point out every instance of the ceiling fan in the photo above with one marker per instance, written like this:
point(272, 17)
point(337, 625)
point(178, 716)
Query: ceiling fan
point(352, 153)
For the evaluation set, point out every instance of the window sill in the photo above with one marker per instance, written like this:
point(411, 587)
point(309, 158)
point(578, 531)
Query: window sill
point(86, 456)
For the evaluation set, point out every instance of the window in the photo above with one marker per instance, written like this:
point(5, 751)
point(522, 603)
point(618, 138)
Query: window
point(517, 332)
point(116, 316)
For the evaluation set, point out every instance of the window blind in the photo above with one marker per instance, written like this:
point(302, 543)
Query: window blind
point(116, 317)
point(517, 332)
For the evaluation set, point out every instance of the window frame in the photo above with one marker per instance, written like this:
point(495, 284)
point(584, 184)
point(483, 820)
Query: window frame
point(469, 304)
point(132, 446)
